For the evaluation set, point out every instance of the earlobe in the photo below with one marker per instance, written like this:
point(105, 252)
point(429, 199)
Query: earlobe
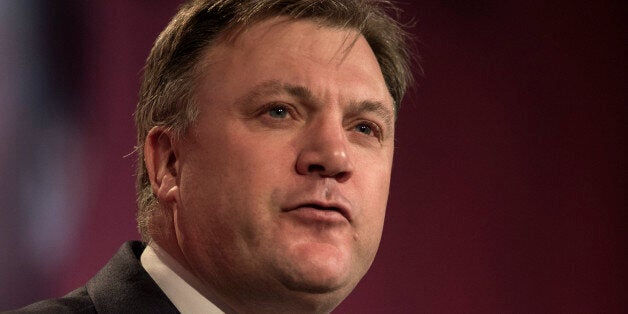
point(161, 163)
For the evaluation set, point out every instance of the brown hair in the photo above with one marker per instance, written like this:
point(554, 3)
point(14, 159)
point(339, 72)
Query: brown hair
point(165, 95)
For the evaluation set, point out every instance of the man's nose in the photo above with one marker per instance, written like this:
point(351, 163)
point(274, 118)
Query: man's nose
point(324, 152)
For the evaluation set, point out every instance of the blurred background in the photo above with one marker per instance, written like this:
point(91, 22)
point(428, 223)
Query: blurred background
point(510, 178)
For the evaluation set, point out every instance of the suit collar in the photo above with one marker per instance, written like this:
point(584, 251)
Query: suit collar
point(124, 286)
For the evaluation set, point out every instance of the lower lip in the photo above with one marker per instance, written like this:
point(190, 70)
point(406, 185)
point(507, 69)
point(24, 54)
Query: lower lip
point(310, 214)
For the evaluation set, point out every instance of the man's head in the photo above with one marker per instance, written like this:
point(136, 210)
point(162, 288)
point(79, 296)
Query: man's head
point(265, 136)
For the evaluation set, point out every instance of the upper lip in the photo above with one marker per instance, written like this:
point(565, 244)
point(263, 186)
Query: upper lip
point(340, 207)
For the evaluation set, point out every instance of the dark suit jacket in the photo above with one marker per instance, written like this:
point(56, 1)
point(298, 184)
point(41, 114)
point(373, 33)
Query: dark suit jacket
point(122, 286)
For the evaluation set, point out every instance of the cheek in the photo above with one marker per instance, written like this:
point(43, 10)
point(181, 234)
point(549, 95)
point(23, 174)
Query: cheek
point(374, 177)
point(373, 204)
point(225, 188)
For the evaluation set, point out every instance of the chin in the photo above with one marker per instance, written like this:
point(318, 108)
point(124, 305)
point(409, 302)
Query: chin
point(320, 275)
point(315, 285)
point(320, 294)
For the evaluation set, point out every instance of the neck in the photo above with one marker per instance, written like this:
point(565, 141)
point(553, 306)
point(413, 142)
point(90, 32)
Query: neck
point(234, 296)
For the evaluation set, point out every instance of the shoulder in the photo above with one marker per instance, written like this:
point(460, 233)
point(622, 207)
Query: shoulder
point(121, 286)
point(77, 301)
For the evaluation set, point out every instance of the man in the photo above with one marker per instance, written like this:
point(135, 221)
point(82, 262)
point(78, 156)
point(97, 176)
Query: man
point(265, 144)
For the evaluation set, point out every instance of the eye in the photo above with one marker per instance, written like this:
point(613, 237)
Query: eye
point(364, 128)
point(368, 128)
point(277, 115)
point(278, 112)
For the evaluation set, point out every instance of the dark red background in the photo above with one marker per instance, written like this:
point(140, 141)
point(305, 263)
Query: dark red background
point(509, 182)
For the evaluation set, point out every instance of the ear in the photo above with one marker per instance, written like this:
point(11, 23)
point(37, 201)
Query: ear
point(160, 158)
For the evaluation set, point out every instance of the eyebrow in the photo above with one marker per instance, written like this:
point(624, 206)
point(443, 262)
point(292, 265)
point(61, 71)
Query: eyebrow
point(276, 87)
point(376, 107)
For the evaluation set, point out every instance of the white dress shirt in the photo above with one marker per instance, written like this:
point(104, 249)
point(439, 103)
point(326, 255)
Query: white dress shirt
point(174, 280)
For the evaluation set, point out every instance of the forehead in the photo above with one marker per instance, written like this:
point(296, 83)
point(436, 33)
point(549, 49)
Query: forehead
point(283, 45)
point(287, 29)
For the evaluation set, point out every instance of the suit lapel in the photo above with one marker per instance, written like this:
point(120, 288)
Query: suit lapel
point(124, 286)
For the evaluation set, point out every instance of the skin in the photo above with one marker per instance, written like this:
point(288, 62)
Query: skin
point(275, 198)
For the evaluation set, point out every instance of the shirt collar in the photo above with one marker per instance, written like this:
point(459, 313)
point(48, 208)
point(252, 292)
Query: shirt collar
point(171, 277)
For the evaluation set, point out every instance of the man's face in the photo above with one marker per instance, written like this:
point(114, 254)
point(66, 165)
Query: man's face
point(283, 181)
